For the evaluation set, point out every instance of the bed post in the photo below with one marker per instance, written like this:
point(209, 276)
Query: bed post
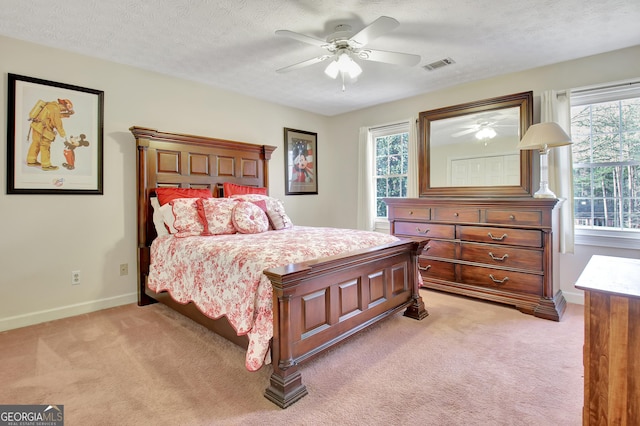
point(143, 203)
point(285, 384)
point(416, 309)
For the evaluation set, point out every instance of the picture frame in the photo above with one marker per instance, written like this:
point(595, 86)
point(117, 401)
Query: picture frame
point(301, 162)
point(54, 137)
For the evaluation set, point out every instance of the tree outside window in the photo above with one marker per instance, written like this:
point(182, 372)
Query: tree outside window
point(391, 168)
point(606, 155)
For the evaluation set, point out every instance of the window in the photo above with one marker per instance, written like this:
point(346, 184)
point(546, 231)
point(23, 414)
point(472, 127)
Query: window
point(391, 164)
point(605, 129)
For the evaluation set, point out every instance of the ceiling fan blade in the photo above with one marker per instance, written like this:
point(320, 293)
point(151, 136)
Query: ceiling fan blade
point(397, 58)
point(464, 132)
point(302, 37)
point(304, 63)
point(380, 26)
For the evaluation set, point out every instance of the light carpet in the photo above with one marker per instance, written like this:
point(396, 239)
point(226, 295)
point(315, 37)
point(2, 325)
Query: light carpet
point(468, 363)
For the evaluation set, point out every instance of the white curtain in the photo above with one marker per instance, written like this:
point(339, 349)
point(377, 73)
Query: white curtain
point(365, 181)
point(557, 107)
point(412, 179)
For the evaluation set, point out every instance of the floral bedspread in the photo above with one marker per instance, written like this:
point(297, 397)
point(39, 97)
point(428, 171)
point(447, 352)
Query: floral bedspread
point(222, 274)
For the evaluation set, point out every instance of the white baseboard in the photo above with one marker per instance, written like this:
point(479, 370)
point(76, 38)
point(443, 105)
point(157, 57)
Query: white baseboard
point(65, 311)
point(574, 297)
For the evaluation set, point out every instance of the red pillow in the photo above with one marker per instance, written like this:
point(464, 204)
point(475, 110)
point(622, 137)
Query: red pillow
point(166, 194)
point(233, 189)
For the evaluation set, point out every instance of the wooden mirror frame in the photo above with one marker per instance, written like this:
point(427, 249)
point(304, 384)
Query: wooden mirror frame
point(522, 100)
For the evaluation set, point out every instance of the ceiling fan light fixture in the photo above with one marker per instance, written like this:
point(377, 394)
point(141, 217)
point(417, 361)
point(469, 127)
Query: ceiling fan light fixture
point(332, 70)
point(347, 65)
point(343, 65)
point(485, 133)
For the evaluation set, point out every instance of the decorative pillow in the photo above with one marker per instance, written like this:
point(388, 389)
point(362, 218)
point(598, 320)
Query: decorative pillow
point(158, 218)
point(277, 215)
point(262, 204)
point(233, 189)
point(248, 218)
point(166, 194)
point(187, 220)
point(216, 215)
point(275, 210)
point(169, 218)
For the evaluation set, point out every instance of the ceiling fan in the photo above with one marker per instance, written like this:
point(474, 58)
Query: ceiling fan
point(485, 127)
point(344, 47)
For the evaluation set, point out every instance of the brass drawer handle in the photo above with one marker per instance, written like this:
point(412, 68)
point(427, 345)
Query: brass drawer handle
point(497, 238)
point(424, 268)
point(498, 258)
point(512, 217)
point(426, 249)
point(420, 231)
point(502, 281)
point(456, 214)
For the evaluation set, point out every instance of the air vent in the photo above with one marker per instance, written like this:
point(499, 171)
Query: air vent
point(439, 64)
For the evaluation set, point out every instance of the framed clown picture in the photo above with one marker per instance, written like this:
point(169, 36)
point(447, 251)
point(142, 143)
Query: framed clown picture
point(54, 137)
point(301, 164)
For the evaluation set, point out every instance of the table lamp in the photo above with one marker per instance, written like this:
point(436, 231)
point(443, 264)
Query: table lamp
point(542, 137)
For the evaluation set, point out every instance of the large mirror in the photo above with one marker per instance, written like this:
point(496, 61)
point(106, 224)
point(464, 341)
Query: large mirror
point(472, 149)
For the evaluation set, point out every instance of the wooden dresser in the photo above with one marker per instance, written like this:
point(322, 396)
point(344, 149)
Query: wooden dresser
point(611, 341)
point(498, 249)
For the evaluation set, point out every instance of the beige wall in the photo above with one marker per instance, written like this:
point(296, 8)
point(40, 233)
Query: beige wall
point(613, 66)
point(45, 237)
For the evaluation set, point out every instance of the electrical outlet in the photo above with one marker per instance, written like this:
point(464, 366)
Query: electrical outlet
point(124, 269)
point(75, 277)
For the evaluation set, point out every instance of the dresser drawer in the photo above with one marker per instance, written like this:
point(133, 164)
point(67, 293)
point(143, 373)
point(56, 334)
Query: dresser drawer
point(502, 255)
point(518, 282)
point(438, 248)
point(515, 237)
point(436, 269)
point(513, 217)
point(417, 213)
point(453, 214)
point(425, 229)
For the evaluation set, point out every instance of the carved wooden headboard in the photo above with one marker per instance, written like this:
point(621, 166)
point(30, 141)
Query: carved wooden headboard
point(187, 161)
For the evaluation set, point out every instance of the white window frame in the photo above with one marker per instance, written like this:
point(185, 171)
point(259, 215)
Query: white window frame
point(590, 236)
point(382, 224)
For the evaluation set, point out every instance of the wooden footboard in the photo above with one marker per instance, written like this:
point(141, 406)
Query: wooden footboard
point(321, 303)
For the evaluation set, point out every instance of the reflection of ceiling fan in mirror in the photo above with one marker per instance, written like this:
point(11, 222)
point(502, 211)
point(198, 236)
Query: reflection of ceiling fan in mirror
point(487, 127)
point(344, 47)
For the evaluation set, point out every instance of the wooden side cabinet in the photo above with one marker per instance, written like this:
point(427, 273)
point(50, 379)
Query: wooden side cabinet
point(611, 341)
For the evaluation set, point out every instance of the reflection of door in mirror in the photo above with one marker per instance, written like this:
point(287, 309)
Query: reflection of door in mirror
point(471, 149)
point(476, 149)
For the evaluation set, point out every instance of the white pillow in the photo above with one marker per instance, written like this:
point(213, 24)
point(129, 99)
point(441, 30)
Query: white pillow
point(169, 218)
point(158, 218)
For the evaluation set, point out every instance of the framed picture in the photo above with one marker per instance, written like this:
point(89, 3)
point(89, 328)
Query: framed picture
point(54, 137)
point(301, 163)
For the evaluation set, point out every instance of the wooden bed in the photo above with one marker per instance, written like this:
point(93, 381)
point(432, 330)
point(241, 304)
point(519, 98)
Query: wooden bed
point(316, 304)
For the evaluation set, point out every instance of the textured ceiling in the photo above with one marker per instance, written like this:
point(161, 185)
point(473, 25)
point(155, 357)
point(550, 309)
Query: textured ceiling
point(231, 43)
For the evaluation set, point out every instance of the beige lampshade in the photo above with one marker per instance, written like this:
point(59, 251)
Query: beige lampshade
point(544, 135)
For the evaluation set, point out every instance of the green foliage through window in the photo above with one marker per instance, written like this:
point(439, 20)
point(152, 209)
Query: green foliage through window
point(391, 168)
point(606, 169)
